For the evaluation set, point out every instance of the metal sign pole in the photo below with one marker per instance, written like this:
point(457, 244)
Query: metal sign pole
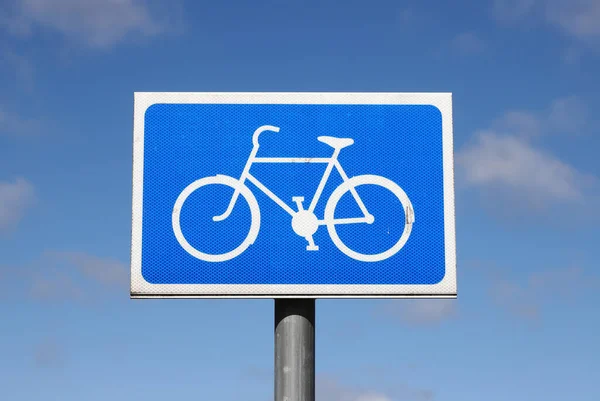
point(294, 349)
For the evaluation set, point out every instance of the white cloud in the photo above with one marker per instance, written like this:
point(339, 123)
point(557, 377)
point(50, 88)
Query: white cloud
point(372, 397)
point(422, 311)
point(571, 55)
point(512, 296)
point(17, 64)
point(15, 197)
point(328, 389)
point(563, 282)
point(331, 390)
point(509, 161)
point(577, 18)
point(565, 115)
point(407, 16)
point(11, 124)
point(521, 123)
point(105, 271)
point(49, 354)
point(568, 115)
point(505, 160)
point(468, 42)
point(67, 277)
point(97, 23)
point(527, 297)
point(58, 286)
point(510, 10)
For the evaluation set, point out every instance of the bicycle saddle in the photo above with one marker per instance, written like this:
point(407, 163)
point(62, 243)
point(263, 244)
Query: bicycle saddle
point(336, 143)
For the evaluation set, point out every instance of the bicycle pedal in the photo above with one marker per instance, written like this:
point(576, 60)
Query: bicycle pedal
point(312, 248)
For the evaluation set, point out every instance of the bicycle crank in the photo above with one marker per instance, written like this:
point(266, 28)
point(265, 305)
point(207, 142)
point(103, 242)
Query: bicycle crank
point(305, 224)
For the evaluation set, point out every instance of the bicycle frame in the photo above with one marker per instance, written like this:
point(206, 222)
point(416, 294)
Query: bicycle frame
point(331, 163)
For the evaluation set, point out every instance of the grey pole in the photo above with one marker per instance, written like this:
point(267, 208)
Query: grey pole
point(294, 349)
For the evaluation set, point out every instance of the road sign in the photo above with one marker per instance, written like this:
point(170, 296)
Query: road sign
point(293, 195)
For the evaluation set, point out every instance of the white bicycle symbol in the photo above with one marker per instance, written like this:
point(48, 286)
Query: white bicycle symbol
point(304, 222)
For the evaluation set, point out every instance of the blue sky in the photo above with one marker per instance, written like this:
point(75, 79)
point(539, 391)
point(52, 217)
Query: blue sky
point(524, 79)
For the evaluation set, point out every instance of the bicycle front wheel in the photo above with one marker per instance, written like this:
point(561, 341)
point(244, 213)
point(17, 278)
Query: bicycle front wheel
point(398, 194)
point(246, 194)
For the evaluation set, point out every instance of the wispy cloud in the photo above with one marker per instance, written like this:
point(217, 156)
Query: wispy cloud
point(468, 42)
point(511, 162)
point(563, 282)
point(571, 55)
point(406, 15)
point(60, 276)
point(15, 197)
point(331, 389)
point(576, 18)
point(328, 387)
point(520, 123)
point(95, 23)
point(17, 65)
point(13, 125)
point(526, 297)
point(506, 160)
point(49, 354)
point(511, 10)
point(568, 115)
point(564, 115)
point(421, 312)
point(54, 285)
point(109, 272)
point(513, 296)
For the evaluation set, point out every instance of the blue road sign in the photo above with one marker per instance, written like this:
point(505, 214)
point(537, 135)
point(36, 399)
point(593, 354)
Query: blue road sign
point(293, 194)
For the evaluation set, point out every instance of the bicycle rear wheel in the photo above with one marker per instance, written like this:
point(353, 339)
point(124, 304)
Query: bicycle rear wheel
point(378, 181)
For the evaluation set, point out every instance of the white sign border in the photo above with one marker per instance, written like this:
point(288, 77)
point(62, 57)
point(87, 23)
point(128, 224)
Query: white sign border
point(140, 288)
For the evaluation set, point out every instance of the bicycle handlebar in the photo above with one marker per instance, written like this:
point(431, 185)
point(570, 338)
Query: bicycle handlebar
point(259, 131)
